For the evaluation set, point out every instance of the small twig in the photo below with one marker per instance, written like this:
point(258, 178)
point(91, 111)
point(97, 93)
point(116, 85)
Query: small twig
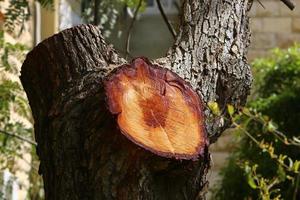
point(262, 5)
point(296, 187)
point(258, 144)
point(284, 139)
point(163, 14)
point(289, 4)
point(96, 13)
point(18, 137)
point(279, 135)
point(131, 26)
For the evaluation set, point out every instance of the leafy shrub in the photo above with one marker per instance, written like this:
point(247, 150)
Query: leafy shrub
point(265, 165)
point(16, 131)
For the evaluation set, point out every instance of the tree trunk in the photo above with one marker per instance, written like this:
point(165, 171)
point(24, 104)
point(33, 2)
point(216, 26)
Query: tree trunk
point(83, 154)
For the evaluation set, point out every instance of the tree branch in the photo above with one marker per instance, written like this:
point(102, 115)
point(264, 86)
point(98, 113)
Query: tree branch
point(163, 14)
point(131, 26)
point(96, 12)
point(18, 137)
point(260, 3)
point(289, 4)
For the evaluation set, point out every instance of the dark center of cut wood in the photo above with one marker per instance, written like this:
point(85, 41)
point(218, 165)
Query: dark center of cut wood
point(155, 110)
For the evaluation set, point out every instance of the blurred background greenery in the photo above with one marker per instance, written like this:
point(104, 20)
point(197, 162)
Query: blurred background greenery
point(265, 162)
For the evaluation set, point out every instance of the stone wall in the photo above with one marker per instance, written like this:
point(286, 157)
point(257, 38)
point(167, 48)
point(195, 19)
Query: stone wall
point(220, 152)
point(273, 26)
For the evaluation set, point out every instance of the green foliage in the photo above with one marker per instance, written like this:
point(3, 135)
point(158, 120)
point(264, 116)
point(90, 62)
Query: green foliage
point(266, 163)
point(18, 12)
point(278, 89)
point(214, 107)
point(12, 100)
point(15, 116)
point(110, 11)
point(130, 3)
point(263, 185)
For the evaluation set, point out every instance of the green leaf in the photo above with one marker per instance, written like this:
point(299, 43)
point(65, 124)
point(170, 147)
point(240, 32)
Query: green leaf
point(291, 162)
point(296, 166)
point(214, 107)
point(281, 173)
point(246, 111)
point(271, 127)
point(230, 109)
point(251, 182)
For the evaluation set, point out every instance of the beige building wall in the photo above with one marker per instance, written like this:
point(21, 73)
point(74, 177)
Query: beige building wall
point(273, 26)
point(49, 20)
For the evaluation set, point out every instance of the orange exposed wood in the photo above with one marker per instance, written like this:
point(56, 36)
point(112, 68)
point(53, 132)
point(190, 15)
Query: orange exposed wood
point(157, 110)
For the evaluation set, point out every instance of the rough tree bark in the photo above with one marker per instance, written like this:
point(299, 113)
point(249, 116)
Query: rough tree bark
point(82, 153)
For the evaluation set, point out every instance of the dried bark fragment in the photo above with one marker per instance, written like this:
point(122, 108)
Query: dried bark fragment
point(157, 110)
